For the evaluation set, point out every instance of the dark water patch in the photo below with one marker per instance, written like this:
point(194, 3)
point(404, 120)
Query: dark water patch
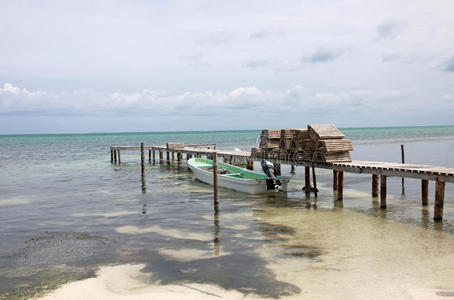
point(54, 248)
point(245, 273)
point(302, 251)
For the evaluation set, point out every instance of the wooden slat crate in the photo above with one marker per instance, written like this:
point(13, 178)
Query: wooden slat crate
point(324, 132)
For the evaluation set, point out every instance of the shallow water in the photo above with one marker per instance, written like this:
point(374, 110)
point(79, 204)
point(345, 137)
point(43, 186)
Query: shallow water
point(68, 214)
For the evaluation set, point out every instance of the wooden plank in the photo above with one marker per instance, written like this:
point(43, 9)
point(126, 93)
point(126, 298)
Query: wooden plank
point(175, 145)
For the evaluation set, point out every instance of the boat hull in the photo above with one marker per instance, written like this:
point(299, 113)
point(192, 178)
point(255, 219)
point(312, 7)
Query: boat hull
point(249, 186)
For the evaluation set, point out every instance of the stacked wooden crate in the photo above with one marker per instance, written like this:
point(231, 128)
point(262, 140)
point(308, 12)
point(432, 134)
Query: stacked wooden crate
point(269, 144)
point(329, 144)
point(319, 143)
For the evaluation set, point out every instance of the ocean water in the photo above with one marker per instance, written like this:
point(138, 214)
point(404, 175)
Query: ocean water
point(71, 222)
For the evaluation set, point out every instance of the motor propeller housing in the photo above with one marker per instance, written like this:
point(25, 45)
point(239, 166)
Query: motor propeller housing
point(272, 183)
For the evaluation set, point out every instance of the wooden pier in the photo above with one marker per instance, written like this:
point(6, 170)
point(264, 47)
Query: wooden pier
point(379, 170)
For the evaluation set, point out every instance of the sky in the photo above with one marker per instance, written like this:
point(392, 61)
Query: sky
point(122, 66)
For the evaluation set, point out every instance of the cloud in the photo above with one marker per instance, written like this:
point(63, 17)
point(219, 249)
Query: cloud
point(322, 54)
point(17, 101)
point(448, 65)
point(390, 29)
point(257, 63)
point(260, 34)
point(216, 38)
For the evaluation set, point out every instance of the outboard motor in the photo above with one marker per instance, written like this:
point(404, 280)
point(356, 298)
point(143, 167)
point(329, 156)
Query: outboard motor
point(271, 183)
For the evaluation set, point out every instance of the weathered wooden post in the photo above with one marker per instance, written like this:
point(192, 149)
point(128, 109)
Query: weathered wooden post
point(168, 156)
point(115, 156)
point(179, 155)
point(111, 156)
point(340, 185)
point(119, 157)
point(335, 180)
point(142, 159)
point(374, 185)
point(173, 156)
point(292, 169)
point(402, 154)
point(215, 180)
point(161, 156)
point(439, 200)
point(149, 156)
point(314, 180)
point(307, 180)
point(154, 156)
point(188, 156)
point(250, 165)
point(382, 191)
point(425, 192)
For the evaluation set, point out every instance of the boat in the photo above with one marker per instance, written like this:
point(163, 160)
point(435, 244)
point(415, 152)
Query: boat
point(234, 178)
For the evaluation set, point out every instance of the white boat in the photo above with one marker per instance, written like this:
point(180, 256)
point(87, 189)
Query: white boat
point(233, 177)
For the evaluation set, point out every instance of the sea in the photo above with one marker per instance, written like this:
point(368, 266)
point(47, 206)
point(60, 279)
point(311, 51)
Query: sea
point(75, 226)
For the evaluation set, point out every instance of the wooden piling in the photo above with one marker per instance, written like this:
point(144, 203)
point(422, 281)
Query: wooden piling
point(335, 180)
point(292, 169)
point(179, 155)
point(307, 180)
point(188, 156)
point(340, 185)
point(168, 156)
point(425, 192)
point(119, 157)
point(226, 160)
point(215, 179)
point(374, 185)
point(314, 180)
point(382, 191)
point(161, 156)
point(115, 156)
point(402, 154)
point(111, 156)
point(142, 159)
point(439, 200)
point(173, 156)
point(250, 165)
point(149, 156)
point(154, 156)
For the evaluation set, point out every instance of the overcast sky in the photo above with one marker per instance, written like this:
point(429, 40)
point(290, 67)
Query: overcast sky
point(110, 66)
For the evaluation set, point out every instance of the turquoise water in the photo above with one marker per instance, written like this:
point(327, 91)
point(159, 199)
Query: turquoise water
point(66, 211)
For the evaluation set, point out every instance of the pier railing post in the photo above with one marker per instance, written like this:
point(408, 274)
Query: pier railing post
point(439, 200)
point(402, 153)
point(374, 185)
point(340, 185)
point(142, 159)
point(425, 192)
point(307, 180)
point(382, 191)
point(215, 180)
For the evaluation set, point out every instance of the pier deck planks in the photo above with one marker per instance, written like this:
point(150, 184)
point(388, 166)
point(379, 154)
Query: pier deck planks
point(425, 172)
